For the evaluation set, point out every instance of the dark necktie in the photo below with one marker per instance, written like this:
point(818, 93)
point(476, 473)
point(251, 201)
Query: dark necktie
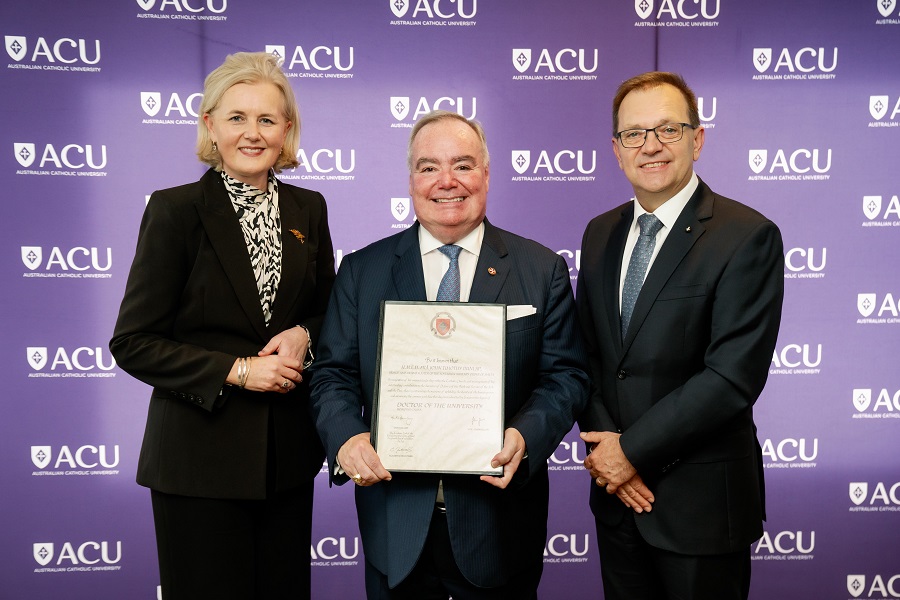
point(637, 267)
point(449, 288)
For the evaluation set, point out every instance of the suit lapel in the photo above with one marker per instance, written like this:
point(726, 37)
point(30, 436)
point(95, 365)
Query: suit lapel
point(493, 258)
point(224, 232)
point(612, 269)
point(294, 257)
point(408, 276)
point(687, 230)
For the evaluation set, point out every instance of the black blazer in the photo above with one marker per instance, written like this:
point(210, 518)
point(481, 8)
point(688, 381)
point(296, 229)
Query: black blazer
point(191, 307)
point(493, 532)
point(682, 385)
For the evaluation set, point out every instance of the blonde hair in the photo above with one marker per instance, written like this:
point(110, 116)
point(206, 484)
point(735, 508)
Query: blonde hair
point(248, 67)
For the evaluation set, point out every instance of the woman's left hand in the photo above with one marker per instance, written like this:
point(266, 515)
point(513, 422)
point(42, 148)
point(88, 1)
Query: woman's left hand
point(290, 343)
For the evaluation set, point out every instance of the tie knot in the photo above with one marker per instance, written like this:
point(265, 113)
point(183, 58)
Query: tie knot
point(451, 251)
point(649, 224)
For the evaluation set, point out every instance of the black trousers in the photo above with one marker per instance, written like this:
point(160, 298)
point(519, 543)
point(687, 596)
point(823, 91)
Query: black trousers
point(234, 549)
point(632, 569)
point(437, 577)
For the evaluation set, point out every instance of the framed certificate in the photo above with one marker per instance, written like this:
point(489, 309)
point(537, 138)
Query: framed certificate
point(438, 403)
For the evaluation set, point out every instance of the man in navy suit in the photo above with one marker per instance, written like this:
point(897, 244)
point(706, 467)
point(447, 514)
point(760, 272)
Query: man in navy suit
point(429, 535)
point(677, 360)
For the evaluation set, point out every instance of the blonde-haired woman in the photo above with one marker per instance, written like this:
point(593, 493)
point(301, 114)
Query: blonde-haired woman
point(222, 308)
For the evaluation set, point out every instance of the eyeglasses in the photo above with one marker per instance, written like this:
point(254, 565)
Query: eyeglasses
point(666, 134)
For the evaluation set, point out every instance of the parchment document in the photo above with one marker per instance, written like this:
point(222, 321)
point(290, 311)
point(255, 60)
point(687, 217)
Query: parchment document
point(438, 404)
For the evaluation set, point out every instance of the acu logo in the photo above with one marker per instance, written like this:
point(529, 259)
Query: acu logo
point(73, 260)
point(433, 8)
point(566, 60)
point(563, 545)
point(675, 9)
point(785, 542)
point(862, 400)
point(859, 491)
point(401, 105)
point(64, 50)
point(312, 60)
point(329, 548)
point(192, 6)
point(886, 7)
point(872, 207)
point(38, 357)
point(151, 102)
point(42, 456)
point(879, 105)
point(762, 60)
point(866, 303)
point(799, 161)
point(26, 152)
point(563, 162)
point(85, 554)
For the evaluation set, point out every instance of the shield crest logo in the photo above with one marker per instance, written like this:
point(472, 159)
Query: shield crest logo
point(865, 303)
point(40, 456)
point(858, 492)
point(16, 47)
point(521, 159)
point(862, 398)
point(871, 206)
point(521, 58)
point(643, 8)
point(146, 4)
point(878, 106)
point(277, 52)
point(399, 107)
point(31, 256)
point(43, 553)
point(37, 357)
point(443, 325)
point(151, 103)
point(856, 584)
point(24, 153)
point(762, 58)
point(399, 7)
point(757, 160)
point(400, 208)
point(886, 7)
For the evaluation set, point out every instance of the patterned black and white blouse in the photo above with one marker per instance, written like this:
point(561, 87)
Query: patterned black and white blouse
point(257, 211)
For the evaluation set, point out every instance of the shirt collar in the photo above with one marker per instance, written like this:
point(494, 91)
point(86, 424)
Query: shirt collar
point(669, 211)
point(471, 243)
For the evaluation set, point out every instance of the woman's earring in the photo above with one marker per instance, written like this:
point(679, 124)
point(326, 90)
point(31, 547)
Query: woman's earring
point(215, 147)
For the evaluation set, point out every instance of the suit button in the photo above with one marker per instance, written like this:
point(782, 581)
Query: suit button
point(621, 374)
point(199, 400)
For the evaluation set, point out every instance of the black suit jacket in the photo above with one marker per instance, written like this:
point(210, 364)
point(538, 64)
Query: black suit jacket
point(191, 307)
point(493, 532)
point(682, 385)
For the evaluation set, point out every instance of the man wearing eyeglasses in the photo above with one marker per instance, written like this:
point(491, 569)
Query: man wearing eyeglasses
point(679, 297)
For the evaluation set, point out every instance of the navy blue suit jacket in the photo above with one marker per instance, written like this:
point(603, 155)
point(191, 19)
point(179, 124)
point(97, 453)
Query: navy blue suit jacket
point(682, 384)
point(493, 532)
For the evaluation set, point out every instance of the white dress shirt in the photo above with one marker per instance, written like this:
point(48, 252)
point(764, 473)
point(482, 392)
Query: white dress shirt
point(667, 214)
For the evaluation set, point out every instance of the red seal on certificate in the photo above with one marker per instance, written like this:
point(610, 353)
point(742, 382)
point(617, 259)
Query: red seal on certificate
point(443, 325)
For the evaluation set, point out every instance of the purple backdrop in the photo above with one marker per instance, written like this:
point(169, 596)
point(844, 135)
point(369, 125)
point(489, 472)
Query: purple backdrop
point(802, 107)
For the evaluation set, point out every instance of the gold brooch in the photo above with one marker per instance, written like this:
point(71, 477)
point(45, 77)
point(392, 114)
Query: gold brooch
point(299, 236)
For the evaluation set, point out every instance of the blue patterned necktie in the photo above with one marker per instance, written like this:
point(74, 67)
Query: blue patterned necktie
point(449, 288)
point(637, 267)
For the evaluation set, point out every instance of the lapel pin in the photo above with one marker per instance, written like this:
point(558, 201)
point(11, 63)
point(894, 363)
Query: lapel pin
point(299, 236)
point(492, 271)
point(687, 229)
